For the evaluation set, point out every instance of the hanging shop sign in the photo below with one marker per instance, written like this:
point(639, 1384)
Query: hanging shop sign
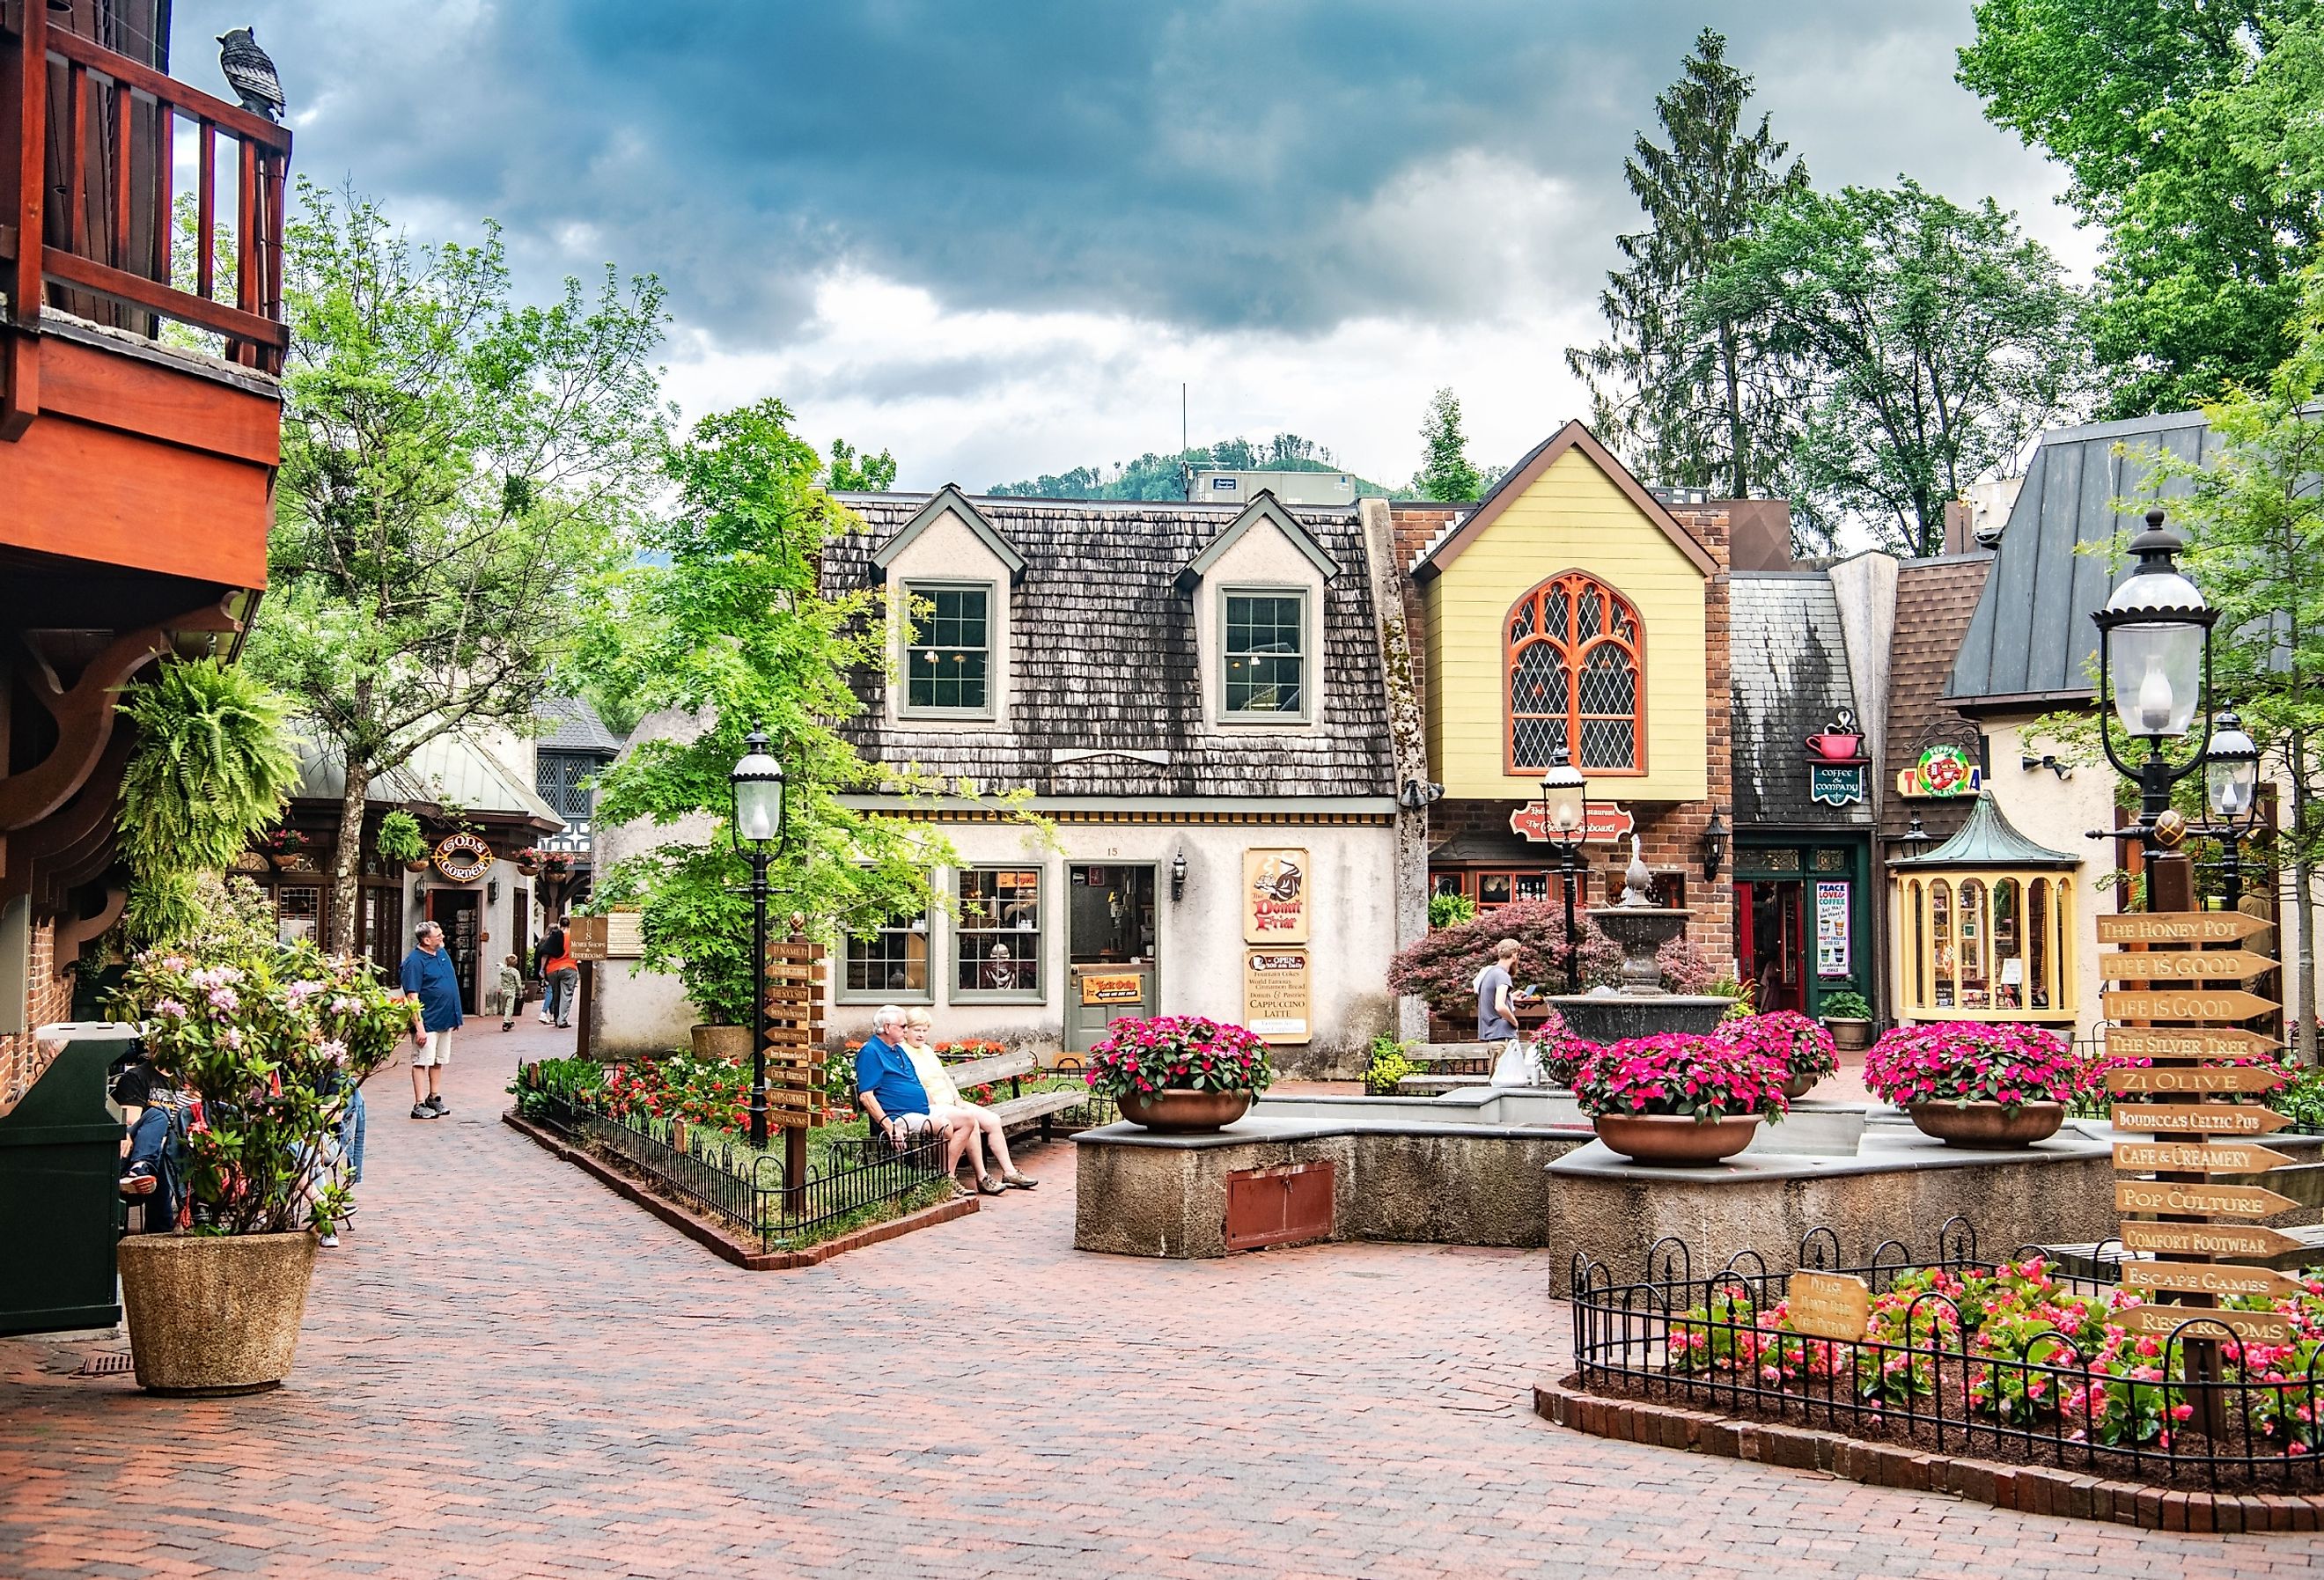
point(1833, 1306)
point(1602, 823)
point(1940, 772)
point(1836, 784)
point(1274, 995)
point(1275, 896)
point(1833, 944)
point(463, 858)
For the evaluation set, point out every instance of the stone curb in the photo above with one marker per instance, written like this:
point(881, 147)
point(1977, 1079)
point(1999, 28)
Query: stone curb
point(729, 1246)
point(2030, 1489)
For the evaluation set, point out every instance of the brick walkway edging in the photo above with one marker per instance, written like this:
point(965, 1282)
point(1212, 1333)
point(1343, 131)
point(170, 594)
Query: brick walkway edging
point(729, 1246)
point(2030, 1489)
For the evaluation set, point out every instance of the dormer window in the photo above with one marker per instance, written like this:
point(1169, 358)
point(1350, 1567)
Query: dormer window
point(948, 660)
point(1265, 654)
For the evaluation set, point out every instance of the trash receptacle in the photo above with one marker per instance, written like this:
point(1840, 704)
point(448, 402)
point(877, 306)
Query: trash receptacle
point(59, 1182)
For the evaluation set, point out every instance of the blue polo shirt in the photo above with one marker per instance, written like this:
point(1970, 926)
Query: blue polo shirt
point(884, 1071)
point(432, 980)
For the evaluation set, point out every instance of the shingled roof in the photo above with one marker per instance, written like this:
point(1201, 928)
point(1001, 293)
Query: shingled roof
point(1935, 599)
point(1103, 662)
point(1790, 677)
point(2031, 641)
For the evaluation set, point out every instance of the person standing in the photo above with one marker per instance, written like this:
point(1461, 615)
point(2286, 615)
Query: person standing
point(432, 984)
point(561, 972)
point(511, 990)
point(1497, 1017)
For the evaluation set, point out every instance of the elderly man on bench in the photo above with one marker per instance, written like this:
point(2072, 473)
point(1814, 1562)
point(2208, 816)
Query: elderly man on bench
point(899, 1106)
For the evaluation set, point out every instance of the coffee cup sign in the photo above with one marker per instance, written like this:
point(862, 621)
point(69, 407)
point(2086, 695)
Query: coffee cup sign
point(1275, 896)
point(463, 858)
point(1834, 1306)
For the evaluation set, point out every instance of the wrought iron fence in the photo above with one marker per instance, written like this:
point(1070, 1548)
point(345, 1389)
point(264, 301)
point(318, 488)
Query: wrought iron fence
point(2198, 1411)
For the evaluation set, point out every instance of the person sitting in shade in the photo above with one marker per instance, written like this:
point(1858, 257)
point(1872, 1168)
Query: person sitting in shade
point(945, 1101)
point(895, 1103)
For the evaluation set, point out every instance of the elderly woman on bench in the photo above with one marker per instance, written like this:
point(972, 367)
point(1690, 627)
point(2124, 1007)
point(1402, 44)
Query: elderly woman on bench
point(985, 1133)
point(899, 1104)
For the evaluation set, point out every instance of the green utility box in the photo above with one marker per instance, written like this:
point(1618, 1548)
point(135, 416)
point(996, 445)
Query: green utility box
point(59, 1189)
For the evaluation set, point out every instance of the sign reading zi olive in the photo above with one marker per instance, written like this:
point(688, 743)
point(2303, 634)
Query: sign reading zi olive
point(2217, 966)
point(463, 858)
point(2199, 1079)
point(2180, 926)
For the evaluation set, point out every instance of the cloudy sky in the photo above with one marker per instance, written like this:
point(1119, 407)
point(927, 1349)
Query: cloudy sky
point(996, 236)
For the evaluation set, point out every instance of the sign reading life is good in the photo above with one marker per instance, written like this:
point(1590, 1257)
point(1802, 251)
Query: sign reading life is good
point(1834, 1306)
point(463, 858)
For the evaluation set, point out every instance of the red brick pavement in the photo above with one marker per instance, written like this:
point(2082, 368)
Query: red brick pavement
point(507, 1372)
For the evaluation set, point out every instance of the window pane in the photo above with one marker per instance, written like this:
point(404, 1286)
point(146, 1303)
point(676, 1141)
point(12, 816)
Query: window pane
point(895, 959)
point(997, 948)
point(1264, 662)
point(947, 666)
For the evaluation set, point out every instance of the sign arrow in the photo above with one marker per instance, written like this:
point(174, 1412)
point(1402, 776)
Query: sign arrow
point(2199, 1157)
point(2263, 1328)
point(2187, 1042)
point(2208, 1240)
point(2220, 964)
point(2207, 1278)
point(2239, 1119)
point(2181, 927)
point(2188, 1004)
point(2234, 1201)
point(2198, 1078)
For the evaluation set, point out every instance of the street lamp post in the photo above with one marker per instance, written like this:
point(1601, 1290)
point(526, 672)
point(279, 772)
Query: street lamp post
point(2154, 656)
point(760, 817)
point(1564, 818)
point(2231, 792)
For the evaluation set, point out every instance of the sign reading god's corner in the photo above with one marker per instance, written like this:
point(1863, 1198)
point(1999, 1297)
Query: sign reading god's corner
point(463, 858)
point(1275, 896)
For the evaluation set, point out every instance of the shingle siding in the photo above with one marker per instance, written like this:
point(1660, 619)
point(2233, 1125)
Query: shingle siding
point(1103, 655)
point(1789, 665)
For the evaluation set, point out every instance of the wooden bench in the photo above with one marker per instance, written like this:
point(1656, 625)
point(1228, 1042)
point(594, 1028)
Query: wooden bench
point(1019, 1107)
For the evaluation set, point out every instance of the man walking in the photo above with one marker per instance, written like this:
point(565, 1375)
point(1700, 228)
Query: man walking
point(433, 985)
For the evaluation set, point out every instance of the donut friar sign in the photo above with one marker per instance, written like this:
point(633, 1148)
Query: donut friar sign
point(463, 858)
point(1275, 896)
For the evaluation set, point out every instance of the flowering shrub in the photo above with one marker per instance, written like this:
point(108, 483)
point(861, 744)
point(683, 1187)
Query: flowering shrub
point(1963, 1061)
point(1178, 1052)
point(268, 1040)
point(700, 1091)
point(1704, 1077)
point(1559, 1052)
point(1442, 966)
point(1802, 1045)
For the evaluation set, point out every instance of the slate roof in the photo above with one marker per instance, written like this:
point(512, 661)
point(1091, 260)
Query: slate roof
point(1103, 660)
point(1789, 672)
point(1989, 839)
point(450, 771)
point(1935, 599)
point(568, 724)
point(2032, 638)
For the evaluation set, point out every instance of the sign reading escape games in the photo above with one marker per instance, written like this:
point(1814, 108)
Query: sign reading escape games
point(1835, 1306)
point(1275, 897)
point(1274, 995)
point(463, 858)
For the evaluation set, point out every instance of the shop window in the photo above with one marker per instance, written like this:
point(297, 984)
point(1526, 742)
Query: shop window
point(298, 913)
point(1450, 884)
point(1831, 861)
point(892, 962)
point(996, 947)
point(1576, 672)
point(948, 664)
point(1994, 945)
point(1266, 655)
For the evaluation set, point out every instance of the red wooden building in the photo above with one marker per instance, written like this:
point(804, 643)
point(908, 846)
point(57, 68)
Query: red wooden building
point(140, 338)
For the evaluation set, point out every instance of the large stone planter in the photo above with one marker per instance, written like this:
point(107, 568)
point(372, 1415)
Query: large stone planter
point(1673, 1140)
point(1988, 1124)
point(1176, 1113)
point(729, 1043)
point(214, 1314)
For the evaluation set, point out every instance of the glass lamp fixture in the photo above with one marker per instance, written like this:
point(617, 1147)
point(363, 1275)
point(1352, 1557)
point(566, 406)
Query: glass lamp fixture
point(2153, 629)
point(1565, 798)
point(758, 782)
point(2231, 770)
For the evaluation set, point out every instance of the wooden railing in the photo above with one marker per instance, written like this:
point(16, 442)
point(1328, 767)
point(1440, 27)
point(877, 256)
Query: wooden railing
point(89, 141)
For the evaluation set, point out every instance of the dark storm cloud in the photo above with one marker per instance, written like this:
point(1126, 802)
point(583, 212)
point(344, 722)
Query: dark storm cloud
point(1212, 164)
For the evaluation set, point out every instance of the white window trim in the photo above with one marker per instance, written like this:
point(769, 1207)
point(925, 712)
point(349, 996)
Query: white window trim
point(956, 994)
point(917, 587)
point(841, 993)
point(1309, 658)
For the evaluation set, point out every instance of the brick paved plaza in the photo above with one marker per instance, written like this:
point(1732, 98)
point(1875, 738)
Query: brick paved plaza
point(508, 1371)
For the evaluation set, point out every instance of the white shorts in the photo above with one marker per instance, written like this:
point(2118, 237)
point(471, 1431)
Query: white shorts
point(436, 1050)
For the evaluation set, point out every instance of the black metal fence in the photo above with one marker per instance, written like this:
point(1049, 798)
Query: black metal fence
point(2196, 1412)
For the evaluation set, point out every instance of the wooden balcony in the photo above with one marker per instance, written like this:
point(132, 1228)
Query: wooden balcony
point(141, 259)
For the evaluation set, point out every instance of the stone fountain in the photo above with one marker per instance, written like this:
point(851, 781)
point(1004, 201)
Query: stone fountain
point(1639, 1007)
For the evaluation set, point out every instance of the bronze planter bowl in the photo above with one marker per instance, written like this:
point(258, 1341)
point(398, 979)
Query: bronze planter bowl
point(1988, 1124)
point(1176, 1111)
point(214, 1315)
point(1674, 1140)
point(1798, 1087)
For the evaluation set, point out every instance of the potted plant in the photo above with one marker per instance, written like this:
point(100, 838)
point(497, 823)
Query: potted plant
point(1848, 1014)
point(1678, 1098)
point(284, 847)
point(400, 840)
point(1971, 1084)
point(1802, 1047)
point(268, 1041)
point(1181, 1074)
point(1558, 1052)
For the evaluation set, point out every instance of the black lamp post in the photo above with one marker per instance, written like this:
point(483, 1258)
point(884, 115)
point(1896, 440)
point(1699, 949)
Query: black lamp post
point(758, 822)
point(2231, 792)
point(1565, 819)
point(2154, 657)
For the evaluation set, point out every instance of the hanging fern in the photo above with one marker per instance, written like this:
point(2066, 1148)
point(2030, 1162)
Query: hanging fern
point(213, 766)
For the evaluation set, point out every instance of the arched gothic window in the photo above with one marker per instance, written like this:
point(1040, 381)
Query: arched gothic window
point(1577, 671)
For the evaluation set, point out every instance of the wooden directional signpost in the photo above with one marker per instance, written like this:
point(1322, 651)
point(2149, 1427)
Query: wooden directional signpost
point(794, 1055)
point(2192, 1089)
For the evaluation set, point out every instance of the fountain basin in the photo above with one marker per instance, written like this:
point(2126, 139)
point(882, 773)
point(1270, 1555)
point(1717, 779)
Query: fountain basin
point(1606, 1018)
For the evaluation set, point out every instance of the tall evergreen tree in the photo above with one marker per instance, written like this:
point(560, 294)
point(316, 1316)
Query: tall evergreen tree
point(1704, 407)
point(1446, 470)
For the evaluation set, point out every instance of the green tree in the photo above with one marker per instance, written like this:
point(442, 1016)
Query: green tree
point(453, 466)
point(2254, 517)
point(2172, 118)
point(1446, 470)
point(727, 625)
point(1933, 339)
point(1705, 404)
point(850, 473)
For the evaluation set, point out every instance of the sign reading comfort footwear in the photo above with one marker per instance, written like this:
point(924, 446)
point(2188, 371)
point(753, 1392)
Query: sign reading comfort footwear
point(1274, 995)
